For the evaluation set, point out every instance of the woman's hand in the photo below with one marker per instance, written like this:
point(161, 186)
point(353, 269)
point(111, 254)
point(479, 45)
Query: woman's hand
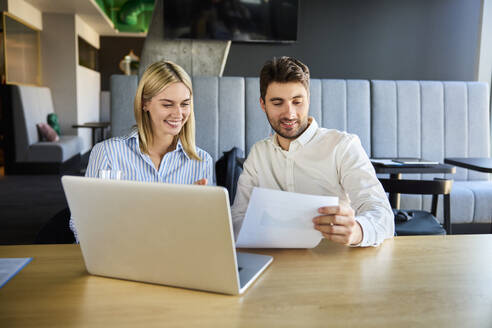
point(201, 182)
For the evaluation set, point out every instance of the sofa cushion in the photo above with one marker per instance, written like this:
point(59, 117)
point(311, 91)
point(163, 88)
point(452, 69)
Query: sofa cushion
point(257, 127)
point(219, 106)
point(471, 202)
point(344, 105)
point(46, 132)
point(60, 151)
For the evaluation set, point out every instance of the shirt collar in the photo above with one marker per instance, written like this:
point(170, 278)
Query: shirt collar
point(304, 138)
point(179, 147)
point(308, 134)
point(133, 135)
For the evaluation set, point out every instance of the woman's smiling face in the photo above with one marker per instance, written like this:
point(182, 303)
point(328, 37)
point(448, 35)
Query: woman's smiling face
point(169, 109)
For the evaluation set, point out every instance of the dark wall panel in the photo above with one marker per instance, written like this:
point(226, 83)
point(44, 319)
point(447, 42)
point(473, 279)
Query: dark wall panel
point(376, 39)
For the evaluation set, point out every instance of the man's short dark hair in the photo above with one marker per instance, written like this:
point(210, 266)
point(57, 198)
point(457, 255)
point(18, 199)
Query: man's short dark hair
point(283, 70)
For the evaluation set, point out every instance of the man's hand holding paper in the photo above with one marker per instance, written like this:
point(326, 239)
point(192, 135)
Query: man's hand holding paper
point(280, 219)
point(338, 224)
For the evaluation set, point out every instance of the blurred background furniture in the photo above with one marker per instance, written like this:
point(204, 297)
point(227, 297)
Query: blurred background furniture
point(25, 107)
point(396, 172)
point(480, 164)
point(95, 126)
point(435, 120)
point(419, 222)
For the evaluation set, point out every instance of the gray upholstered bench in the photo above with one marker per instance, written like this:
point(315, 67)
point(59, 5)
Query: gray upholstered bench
point(30, 106)
point(435, 120)
point(432, 120)
point(228, 112)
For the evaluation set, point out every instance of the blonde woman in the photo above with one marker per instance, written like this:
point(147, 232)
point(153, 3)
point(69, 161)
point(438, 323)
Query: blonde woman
point(162, 146)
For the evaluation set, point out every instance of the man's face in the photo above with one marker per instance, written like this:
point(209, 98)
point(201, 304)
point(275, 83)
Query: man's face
point(286, 106)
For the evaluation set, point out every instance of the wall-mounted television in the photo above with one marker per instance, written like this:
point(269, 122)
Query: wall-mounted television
point(236, 20)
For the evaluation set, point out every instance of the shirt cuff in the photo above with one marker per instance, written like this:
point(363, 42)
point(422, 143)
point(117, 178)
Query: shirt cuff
point(71, 224)
point(368, 233)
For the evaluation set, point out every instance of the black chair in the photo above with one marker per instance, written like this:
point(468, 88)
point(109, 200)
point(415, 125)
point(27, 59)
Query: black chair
point(228, 169)
point(417, 222)
point(56, 230)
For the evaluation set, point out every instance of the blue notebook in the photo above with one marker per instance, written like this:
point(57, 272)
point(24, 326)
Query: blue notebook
point(10, 266)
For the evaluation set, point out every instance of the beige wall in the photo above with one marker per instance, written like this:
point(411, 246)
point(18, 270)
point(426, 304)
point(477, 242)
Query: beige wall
point(75, 89)
point(58, 53)
point(22, 52)
point(26, 12)
point(88, 102)
point(88, 85)
point(86, 32)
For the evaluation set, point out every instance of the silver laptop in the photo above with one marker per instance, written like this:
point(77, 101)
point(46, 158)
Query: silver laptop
point(176, 235)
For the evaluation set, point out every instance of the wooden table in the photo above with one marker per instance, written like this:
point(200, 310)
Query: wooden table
point(428, 281)
point(481, 164)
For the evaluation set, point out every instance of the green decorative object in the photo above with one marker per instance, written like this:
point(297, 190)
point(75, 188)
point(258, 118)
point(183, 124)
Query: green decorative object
point(53, 122)
point(130, 11)
point(128, 15)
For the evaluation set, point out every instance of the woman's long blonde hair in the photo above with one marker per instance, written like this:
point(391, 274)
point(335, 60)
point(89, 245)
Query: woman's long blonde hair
point(156, 77)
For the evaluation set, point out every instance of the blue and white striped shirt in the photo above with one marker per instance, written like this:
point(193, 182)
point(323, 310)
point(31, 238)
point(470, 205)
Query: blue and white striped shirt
point(123, 154)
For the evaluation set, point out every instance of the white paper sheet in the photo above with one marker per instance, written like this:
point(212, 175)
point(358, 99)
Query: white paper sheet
point(10, 266)
point(280, 219)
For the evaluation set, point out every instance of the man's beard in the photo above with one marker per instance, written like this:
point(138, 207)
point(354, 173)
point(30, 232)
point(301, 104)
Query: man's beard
point(277, 128)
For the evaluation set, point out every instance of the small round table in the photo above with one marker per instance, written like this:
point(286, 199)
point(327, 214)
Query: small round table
point(94, 126)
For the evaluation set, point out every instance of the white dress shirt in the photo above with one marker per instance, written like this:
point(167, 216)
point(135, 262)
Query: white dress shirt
point(319, 162)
